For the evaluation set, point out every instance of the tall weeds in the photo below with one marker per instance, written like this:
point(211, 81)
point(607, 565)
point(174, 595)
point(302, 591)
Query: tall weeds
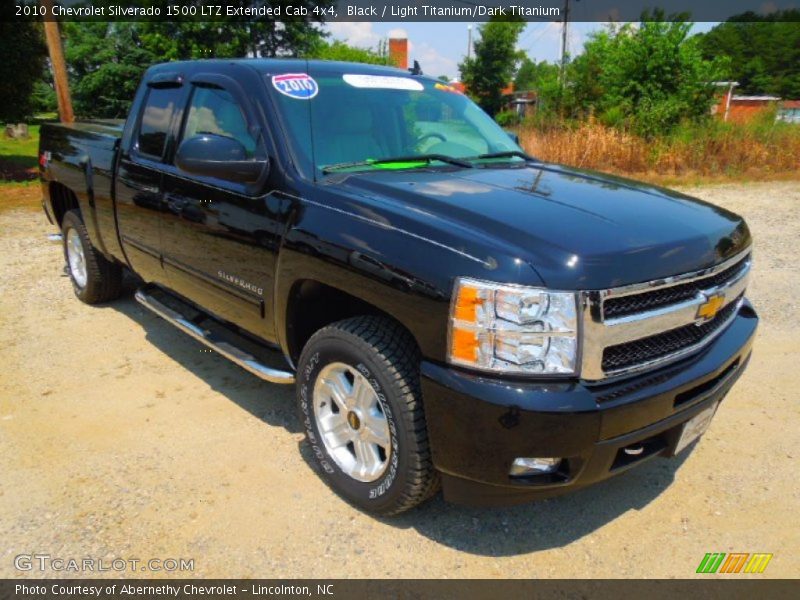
point(759, 149)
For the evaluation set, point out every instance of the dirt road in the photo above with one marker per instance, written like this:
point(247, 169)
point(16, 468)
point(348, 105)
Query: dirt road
point(121, 437)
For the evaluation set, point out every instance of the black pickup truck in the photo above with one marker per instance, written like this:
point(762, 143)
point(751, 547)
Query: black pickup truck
point(454, 312)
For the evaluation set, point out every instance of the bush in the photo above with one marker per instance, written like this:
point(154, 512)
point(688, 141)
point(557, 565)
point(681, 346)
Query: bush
point(646, 78)
point(507, 118)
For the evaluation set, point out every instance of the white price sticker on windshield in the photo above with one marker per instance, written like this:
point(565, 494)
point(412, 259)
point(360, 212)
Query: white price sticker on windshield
point(383, 82)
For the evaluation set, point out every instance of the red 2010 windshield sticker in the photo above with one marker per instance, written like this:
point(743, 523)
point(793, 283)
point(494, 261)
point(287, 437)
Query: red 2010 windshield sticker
point(299, 86)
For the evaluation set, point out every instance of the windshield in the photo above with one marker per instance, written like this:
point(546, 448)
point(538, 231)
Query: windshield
point(355, 121)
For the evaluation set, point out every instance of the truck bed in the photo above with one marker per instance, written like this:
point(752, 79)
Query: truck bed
point(109, 126)
point(82, 156)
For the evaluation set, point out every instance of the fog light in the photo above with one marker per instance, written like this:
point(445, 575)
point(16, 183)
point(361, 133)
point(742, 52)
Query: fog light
point(533, 466)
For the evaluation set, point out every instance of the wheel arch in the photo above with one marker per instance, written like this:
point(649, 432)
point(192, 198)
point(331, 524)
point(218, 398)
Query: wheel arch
point(62, 200)
point(312, 305)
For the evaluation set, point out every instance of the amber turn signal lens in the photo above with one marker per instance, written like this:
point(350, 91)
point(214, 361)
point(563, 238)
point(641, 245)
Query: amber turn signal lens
point(467, 304)
point(464, 345)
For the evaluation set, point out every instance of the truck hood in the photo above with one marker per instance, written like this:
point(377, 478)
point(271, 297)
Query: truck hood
point(577, 229)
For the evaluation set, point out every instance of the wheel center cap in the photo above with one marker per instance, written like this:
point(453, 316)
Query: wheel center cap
point(353, 420)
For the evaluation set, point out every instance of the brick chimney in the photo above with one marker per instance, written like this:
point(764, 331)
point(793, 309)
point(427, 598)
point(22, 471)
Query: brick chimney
point(398, 52)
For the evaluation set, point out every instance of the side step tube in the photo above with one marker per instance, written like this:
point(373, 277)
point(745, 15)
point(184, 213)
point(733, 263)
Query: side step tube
point(237, 355)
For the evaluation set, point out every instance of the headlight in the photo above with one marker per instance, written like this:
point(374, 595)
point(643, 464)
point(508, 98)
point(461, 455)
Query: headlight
point(513, 329)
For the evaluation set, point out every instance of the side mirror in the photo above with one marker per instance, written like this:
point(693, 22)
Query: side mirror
point(513, 136)
point(218, 156)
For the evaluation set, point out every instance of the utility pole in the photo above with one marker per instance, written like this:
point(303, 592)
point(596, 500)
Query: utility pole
point(563, 72)
point(469, 42)
point(59, 66)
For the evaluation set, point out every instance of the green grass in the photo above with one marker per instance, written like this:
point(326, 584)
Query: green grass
point(18, 157)
point(23, 149)
point(10, 183)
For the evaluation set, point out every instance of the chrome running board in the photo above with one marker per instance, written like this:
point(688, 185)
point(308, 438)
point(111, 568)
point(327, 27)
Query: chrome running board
point(242, 358)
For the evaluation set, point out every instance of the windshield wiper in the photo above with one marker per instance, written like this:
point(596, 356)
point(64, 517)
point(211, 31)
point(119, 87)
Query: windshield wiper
point(409, 160)
point(505, 154)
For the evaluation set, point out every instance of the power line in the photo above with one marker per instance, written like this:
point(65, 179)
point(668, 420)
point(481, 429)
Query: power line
point(530, 31)
point(539, 37)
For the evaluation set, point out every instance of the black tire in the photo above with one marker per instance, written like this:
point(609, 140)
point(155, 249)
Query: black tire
point(386, 355)
point(103, 277)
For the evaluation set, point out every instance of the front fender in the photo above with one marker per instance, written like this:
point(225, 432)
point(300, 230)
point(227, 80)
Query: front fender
point(381, 260)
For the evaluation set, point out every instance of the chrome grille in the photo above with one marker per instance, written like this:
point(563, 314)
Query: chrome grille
point(641, 326)
point(663, 344)
point(634, 303)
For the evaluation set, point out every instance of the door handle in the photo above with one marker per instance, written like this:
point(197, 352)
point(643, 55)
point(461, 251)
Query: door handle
point(175, 204)
point(139, 187)
point(186, 208)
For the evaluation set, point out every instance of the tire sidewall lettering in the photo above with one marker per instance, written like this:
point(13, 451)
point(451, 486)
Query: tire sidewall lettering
point(306, 410)
point(391, 473)
point(372, 491)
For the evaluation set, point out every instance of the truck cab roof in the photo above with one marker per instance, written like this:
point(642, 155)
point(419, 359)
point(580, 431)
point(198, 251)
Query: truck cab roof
point(269, 66)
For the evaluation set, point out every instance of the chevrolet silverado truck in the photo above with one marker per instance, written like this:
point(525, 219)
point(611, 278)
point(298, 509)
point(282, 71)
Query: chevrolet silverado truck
point(453, 312)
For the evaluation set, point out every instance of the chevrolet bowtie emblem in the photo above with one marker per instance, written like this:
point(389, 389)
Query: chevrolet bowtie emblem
point(709, 309)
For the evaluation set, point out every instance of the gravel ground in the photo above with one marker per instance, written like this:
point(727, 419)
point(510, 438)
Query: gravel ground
point(120, 437)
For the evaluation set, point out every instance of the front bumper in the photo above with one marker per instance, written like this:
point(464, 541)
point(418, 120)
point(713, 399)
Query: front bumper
point(479, 425)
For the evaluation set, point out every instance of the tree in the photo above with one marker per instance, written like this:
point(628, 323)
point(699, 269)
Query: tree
point(43, 97)
point(23, 58)
point(288, 38)
point(763, 51)
point(494, 63)
point(106, 61)
point(532, 75)
point(340, 51)
point(237, 37)
point(229, 37)
point(189, 40)
point(648, 76)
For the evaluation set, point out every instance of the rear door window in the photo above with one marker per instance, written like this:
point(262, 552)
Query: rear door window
point(156, 120)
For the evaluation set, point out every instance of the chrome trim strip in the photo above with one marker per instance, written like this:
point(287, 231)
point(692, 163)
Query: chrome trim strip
point(652, 322)
point(647, 286)
point(599, 334)
point(232, 353)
